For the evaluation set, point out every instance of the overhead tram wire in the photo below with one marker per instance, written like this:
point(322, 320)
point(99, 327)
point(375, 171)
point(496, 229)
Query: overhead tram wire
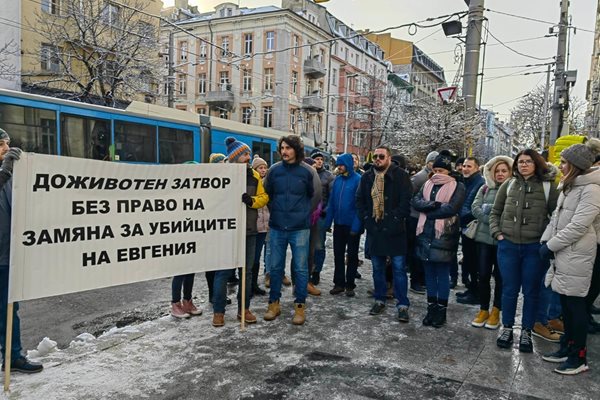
point(516, 51)
point(538, 20)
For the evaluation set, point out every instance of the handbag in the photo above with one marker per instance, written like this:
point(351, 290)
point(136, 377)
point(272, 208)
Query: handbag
point(471, 229)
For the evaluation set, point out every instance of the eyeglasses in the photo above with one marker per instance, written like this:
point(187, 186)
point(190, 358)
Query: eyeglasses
point(525, 162)
point(379, 156)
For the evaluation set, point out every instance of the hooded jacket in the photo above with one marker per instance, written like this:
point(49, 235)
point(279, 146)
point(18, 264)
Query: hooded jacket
point(254, 188)
point(522, 213)
point(486, 196)
point(572, 235)
point(326, 178)
point(342, 201)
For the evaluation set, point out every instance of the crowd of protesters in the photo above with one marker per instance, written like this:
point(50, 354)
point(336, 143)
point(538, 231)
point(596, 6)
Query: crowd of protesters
point(532, 227)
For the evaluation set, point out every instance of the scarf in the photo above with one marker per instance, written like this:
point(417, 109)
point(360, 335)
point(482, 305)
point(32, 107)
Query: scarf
point(443, 196)
point(377, 195)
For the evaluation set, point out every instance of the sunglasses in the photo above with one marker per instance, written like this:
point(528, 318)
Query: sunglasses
point(379, 156)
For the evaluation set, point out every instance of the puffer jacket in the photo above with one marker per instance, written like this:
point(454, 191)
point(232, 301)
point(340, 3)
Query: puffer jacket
point(342, 203)
point(442, 249)
point(262, 222)
point(522, 213)
point(486, 196)
point(573, 236)
point(254, 187)
point(294, 191)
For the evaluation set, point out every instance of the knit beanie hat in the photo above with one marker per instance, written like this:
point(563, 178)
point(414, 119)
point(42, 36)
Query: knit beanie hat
point(216, 158)
point(257, 162)
point(4, 135)
point(460, 160)
point(317, 154)
point(309, 161)
point(582, 155)
point(443, 162)
point(431, 156)
point(235, 148)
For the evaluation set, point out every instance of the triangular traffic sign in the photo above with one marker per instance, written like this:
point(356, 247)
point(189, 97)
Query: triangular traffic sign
point(447, 93)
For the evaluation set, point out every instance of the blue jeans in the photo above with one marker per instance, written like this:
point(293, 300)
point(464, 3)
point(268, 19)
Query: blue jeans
point(182, 281)
point(16, 327)
point(437, 279)
point(221, 277)
point(320, 249)
point(400, 279)
point(521, 269)
point(549, 303)
point(278, 243)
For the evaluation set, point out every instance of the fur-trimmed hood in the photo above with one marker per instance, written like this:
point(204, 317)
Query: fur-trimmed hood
point(487, 169)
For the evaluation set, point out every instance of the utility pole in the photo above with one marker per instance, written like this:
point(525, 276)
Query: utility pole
point(560, 85)
point(171, 72)
point(545, 112)
point(472, 49)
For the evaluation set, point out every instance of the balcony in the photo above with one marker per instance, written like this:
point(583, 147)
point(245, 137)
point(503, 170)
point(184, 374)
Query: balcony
point(314, 69)
point(220, 98)
point(313, 102)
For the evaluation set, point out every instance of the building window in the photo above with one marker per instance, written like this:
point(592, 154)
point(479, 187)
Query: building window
point(223, 113)
point(268, 117)
point(229, 12)
point(292, 119)
point(246, 115)
point(51, 6)
point(224, 80)
point(270, 40)
point(334, 77)
point(110, 14)
point(294, 82)
point(202, 52)
point(321, 55)
point(225, 47)
point(248, 43)
point(247, 81)
point(268, 79)
point(201, 110)
point(182, 84)
point(49, 58)
point(183, 51)
point(202, 83)
point(296, 49)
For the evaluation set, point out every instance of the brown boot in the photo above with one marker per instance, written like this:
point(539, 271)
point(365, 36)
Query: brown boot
point(299, 317)
point(273, 312)
point(313, 291)
point(248, 317)
point(218, 320)
point(267, 280)
point(286, 281)
point(556, 325)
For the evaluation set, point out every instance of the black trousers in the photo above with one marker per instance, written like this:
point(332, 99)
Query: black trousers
point(488, 266)
point(469, 264)
point(417, 271)
point(575, 318)
point(343, 241)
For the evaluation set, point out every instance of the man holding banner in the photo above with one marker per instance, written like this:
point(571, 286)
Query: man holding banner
point(18, 363)
point(254, 198)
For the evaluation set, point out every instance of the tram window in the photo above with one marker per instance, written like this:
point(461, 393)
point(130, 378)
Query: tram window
point(135, 142)
point(262, 149)
point(176, 145)
point(31, 129)
point(85, 137)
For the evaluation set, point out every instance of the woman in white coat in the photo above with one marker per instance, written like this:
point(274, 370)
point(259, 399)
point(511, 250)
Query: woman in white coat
point(570, 239)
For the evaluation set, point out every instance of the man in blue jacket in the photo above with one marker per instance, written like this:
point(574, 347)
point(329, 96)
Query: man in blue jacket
point(383, 203)
point(341, 210)
point(472, 181)
point(294, 191)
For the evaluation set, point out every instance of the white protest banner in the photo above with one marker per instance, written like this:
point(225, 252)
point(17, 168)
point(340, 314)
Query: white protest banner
point(81, 224)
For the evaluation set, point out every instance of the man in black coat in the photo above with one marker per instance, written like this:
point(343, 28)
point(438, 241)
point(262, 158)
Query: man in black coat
point(383, 203)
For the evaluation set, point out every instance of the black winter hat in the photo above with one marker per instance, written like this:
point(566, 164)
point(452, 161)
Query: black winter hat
point(443, 161)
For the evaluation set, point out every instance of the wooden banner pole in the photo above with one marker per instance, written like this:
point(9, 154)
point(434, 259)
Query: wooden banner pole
point(243, 310)
point(8, 346)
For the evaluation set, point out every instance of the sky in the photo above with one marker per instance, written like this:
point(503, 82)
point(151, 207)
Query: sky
point(500, 93)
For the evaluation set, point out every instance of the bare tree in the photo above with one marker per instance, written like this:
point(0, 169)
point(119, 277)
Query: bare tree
point(576, 115)
point(527, 118)
point(8, 70)
point(98, 48)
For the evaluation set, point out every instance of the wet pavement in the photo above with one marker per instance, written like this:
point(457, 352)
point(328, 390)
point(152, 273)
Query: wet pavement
point(341, 352)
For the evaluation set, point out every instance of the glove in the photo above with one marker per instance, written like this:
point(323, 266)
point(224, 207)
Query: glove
point(545, 253)
point(9, 159)
point(486, 208)
point(247, 199)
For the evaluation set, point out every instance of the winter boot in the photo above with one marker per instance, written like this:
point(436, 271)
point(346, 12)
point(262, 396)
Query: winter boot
point(313, 291)
point(493, 321)
point(299, 317)
point(480, 319)
point(431, 310)
point(249, 318)
point(218, 320)
point(267, 280)
point(177, 310)
point(189, 307)
point(439, 318)
point(273, 312)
